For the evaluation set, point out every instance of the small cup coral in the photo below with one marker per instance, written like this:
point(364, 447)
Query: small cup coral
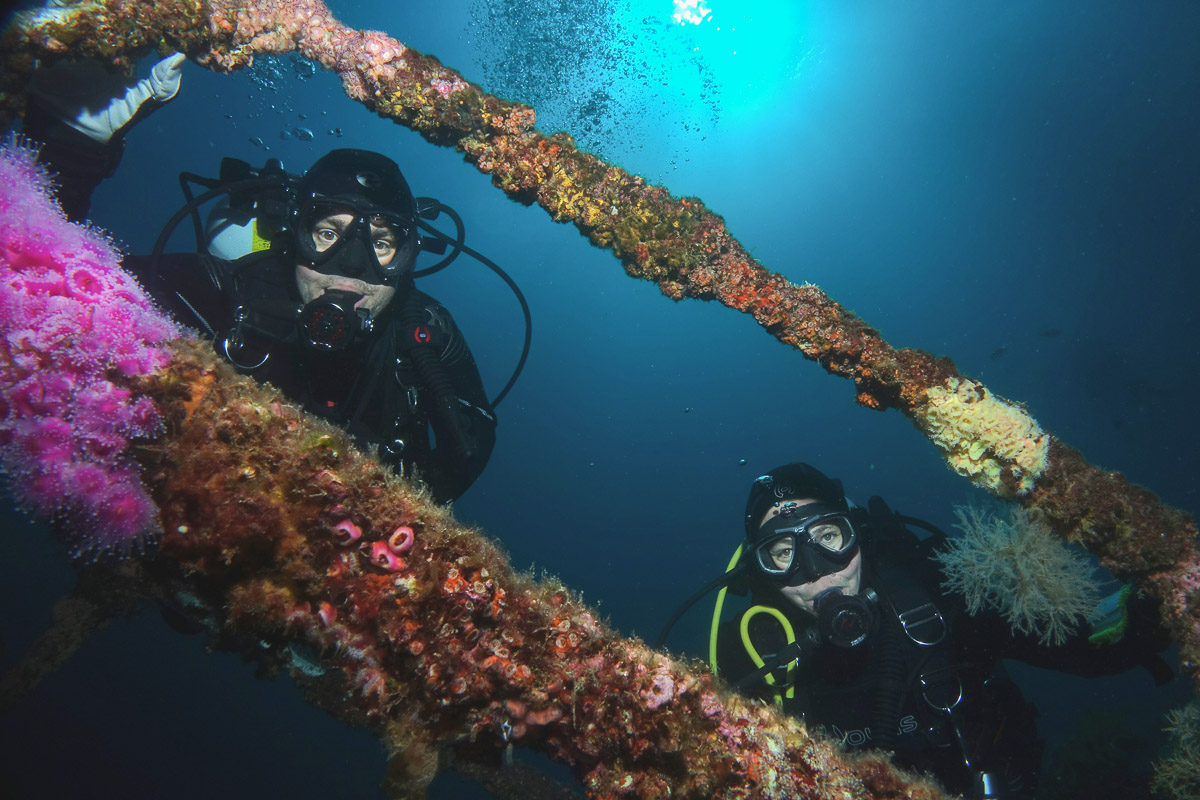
point(1016, 566)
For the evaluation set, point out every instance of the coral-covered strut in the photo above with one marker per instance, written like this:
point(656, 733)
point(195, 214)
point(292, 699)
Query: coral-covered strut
point(305, 541)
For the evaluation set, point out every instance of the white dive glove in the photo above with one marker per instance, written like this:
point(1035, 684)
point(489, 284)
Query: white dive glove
point(98, 103)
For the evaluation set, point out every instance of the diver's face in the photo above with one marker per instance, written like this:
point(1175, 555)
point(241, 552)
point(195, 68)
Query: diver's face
point(849, 579)
point(804, 596)
point(325, 233)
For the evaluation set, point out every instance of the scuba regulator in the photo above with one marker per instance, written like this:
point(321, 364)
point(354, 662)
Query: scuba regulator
point(331, 323)
point(845, 620)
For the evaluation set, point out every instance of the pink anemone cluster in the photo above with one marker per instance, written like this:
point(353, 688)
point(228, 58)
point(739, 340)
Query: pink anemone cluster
point(74, 331)
point(386, 554)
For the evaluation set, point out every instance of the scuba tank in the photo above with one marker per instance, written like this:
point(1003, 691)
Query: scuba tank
point(240, 223)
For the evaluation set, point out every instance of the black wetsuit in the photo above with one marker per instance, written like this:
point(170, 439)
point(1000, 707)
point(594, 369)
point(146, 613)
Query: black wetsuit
point(411, 388)
point(875, 695)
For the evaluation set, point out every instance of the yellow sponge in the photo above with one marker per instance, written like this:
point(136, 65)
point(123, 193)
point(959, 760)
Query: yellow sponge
point(984, 436)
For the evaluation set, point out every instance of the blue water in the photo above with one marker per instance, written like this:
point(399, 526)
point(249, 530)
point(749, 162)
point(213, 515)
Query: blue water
point(1012, 185)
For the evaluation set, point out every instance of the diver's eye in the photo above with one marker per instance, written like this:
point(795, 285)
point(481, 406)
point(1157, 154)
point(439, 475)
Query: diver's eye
point(329, 229)
point(385, 251)
point(828, 536)
point(325, 237)
point(782, 556)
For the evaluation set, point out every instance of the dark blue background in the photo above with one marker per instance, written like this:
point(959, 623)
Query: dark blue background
point(969, 178)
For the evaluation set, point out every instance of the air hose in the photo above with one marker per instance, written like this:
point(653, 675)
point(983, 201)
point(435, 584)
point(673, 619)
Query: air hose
point(434, 378)
point(889, 693)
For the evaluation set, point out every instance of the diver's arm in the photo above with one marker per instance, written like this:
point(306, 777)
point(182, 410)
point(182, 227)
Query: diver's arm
point(1140, 645)
point(80, 112)
point(78, 163)
point(446, 469)
point(451, 470)
point(466, 429)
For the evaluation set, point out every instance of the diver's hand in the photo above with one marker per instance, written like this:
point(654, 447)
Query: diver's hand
point(100, 104)
point(165, 77)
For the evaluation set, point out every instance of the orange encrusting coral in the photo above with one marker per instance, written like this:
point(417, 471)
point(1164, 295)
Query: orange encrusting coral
point(260, 505)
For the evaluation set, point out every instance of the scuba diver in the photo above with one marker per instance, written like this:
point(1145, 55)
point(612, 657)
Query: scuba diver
point(848, 629)
point(304, 282)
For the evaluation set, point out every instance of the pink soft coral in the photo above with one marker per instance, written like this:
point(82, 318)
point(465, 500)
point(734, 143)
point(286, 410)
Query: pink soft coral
point(73, 325)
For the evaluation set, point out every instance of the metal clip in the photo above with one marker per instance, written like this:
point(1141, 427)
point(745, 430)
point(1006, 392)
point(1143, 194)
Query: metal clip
point(940, 679)
point(235, 341)
point(922, 615)
point(506, 732)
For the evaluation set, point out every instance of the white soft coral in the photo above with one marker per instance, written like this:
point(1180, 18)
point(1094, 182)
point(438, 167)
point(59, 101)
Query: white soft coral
point(1017, 567)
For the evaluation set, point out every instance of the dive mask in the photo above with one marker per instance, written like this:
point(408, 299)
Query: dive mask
point(354, 238)
point(804, 543)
